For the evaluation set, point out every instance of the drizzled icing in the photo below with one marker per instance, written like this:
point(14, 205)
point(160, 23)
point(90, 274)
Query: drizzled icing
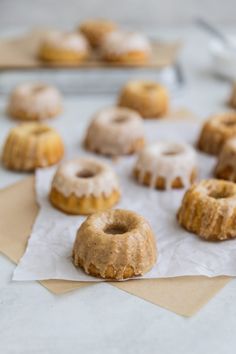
point(168, 160)
point(227, 158)
point(120, 42)
point(35, 98)
point(100, 180)
point(67, 41)
point(114, 130)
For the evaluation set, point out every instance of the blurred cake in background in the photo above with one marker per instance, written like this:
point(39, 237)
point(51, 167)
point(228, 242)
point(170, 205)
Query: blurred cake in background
point(126, 48)
point(96, 30)
point(148, 98)
point(34, 101)
point(115, 131)
point(64, 47)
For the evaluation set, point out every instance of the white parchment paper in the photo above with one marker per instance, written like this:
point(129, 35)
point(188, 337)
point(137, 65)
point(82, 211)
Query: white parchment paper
point(48, 254)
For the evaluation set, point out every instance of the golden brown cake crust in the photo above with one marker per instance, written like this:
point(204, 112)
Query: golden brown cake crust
point(146, 97)
point(30, 146)
point(216, 131)
point(116, 244)
point(83, 205)
point(226, 164)
point(96, 30)
point(209, 210)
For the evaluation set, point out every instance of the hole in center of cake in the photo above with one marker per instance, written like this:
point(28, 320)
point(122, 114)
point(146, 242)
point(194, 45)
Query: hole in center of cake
point(85, 174)
point(116, 229)
point(220, 194)
point(38, 89)
point(229, 122)
point(39, 131)
point(149, 87)
point(171, 152)
point(120, 119)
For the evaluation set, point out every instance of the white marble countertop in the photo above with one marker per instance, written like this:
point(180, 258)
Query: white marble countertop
point(102, 319)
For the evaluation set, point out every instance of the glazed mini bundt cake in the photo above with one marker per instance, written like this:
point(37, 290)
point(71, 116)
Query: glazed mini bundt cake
point(115, 131)
point(216, 131)
point(126, 48)
point(166, 165)
point(84, 186)
point(148, 98)
point(232, 99)
point(30, 146)
point(226, 165)
point(115, 244)
point(34, 101)
point(64, 48)
point(96, 30)
point(209, 210)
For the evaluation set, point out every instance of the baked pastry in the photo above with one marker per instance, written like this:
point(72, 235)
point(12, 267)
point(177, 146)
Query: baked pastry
point(226, 165)
point(115, 244)
point(115, 131)
point(96, 30)
point(126, 48)
point(84, 186)
point(32, 145)
point(146, 97)
point(209, 210)
point(216, 131)
point(232, 100)
point(166, 165)
point(64, 48)
point(34, 101)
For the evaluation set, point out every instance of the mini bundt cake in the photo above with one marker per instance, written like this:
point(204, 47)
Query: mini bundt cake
point(216, 131)
point(232, 100)
point(64, 48)
point(34, 101)
point(115, 244)
point(226, 165)
point(115, 131)
point(148, 98)
point(30, 146)
point(84, 186)
point(209, 210)
point(126, 48)
point(96, 30)
point(166, 165)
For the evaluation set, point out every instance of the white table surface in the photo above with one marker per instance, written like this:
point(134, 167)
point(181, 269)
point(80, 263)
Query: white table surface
point(101, 318)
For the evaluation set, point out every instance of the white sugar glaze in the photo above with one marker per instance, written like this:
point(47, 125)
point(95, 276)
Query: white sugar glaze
point(168, 160)
point(68, 180)
point(66, 40)
point(35, 98)
point(120, 42)
point(114, 130)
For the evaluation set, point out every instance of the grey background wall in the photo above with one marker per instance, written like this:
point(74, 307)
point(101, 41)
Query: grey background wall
point(135, 12)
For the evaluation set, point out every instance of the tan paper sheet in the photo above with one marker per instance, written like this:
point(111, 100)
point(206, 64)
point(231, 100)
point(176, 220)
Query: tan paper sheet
point(18, 210)
point(21, 53)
